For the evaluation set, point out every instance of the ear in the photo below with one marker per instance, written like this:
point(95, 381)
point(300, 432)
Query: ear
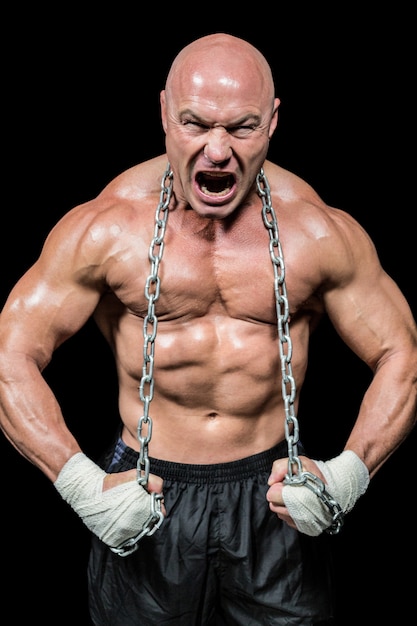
point(162, 100)
point(274, 121)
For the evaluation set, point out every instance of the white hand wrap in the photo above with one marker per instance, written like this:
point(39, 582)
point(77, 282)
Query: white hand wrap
point(114, 515)
point(347, 478)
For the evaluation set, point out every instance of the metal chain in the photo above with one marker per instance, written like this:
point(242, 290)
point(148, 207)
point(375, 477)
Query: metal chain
point(299, 476)
point(150, 324)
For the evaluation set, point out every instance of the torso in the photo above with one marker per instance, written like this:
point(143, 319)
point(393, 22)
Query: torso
point(217, 373)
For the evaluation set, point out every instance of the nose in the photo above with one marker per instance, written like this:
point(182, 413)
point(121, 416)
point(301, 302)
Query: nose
point(218, 148)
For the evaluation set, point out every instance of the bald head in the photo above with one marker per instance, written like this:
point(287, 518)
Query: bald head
point(218, 111)
point(224, 60)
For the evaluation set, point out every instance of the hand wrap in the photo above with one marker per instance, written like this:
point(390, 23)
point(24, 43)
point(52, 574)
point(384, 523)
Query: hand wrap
point(114, 515)
point(347, 478)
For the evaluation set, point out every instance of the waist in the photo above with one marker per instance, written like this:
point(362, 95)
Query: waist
point(125, 458)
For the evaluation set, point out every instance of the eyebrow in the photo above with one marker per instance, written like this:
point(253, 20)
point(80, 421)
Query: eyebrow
point(245, 119)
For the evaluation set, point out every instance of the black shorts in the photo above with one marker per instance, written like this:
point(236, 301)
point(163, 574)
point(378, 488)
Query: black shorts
point(220, 557)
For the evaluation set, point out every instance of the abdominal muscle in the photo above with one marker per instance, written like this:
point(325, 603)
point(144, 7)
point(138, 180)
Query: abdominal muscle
point(217, 392)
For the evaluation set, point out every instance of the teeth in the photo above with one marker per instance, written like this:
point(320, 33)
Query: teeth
point(215, 186)
point(209, 192)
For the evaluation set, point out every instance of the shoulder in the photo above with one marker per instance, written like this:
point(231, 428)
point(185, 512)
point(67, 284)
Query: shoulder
point(99, 231)
point(297, 199)
point(329, 235)
point(138, 182)
point(126, 200)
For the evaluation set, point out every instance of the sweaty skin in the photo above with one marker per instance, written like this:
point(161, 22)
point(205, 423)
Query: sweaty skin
point(217, 394)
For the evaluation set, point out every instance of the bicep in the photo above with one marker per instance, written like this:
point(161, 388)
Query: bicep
point(43, 310)
point(370, 313)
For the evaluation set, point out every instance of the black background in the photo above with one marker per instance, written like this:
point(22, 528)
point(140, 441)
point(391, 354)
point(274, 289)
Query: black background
point(81, 104)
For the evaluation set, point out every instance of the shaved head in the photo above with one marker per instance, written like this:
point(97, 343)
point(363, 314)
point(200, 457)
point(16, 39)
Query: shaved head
point(227, 60)
point(218, 111)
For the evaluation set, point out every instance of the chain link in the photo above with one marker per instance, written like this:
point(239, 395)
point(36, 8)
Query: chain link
point(296, 475)
point(146, 387)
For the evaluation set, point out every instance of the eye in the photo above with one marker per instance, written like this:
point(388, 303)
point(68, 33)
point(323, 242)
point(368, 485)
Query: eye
point(241, 131)
point(194, 124)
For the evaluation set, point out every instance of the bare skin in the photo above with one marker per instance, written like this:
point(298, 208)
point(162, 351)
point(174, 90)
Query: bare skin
point(217, 394)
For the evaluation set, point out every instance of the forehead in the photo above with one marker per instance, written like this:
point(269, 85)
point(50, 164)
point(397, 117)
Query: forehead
point(219, 94)
point(224, 80)
point(227, 75)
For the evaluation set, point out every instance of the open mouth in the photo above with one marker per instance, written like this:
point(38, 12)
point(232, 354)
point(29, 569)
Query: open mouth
point(215, 184)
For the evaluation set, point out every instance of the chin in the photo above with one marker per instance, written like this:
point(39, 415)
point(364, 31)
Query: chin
point(213, 212)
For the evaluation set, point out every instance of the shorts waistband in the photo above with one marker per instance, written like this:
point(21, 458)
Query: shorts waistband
point(125, 457)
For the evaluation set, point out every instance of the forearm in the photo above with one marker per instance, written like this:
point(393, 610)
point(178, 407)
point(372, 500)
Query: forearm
point(387, 414)
point(31, 419)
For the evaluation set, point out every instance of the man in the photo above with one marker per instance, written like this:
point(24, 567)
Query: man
point(205, 511)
